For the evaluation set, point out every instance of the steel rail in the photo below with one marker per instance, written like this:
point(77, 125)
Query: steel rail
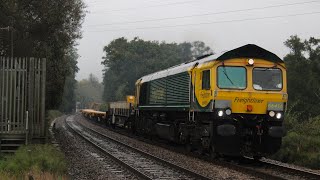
point(101, 149)
point(301, 172)
point(189, 172)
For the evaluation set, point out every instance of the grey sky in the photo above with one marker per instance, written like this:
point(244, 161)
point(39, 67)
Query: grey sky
point(225, 28)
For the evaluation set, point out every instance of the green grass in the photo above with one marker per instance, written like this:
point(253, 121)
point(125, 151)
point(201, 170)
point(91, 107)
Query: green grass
point(35, 160)
point(41, 161)
point(301, 145)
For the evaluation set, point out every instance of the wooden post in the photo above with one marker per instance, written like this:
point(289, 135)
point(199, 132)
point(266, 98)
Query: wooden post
point(7, 94)
point(24, 93)
point(14, 95)
point(43, 96)
point(27, 127)
point(31, 97)
point(2, 93)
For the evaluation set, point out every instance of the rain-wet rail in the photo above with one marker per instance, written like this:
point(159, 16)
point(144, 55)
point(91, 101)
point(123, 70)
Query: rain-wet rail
point(264, 170)
point(304, 173)
point(139, 162)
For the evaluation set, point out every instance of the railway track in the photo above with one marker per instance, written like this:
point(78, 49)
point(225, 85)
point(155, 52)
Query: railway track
point(142, 164)
point(304, 173)
point(264, 169)
point(276, 169)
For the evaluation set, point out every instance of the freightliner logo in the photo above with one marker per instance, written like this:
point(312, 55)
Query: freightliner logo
point(247, 100)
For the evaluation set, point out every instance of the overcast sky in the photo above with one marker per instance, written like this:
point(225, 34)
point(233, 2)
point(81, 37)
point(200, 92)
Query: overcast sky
point(222, 25)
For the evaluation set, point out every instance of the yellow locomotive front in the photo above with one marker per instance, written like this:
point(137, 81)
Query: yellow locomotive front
point(245, 92)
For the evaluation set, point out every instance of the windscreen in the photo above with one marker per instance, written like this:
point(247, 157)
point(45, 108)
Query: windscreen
point(231, 77)
point(269, 79)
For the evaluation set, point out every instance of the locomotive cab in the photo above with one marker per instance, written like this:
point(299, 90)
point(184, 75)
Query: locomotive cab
point(248, 98)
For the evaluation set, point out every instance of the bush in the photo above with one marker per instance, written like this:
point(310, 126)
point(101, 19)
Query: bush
point(301, 146)
point(34, 159)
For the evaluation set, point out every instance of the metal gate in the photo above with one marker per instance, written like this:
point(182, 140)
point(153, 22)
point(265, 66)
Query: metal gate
point(22, 103)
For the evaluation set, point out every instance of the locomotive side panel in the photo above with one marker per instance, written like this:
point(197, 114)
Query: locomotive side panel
point(167, 93)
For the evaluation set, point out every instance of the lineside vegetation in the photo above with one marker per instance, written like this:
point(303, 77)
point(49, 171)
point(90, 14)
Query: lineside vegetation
point(36, 161)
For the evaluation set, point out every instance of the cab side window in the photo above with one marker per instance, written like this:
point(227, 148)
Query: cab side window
point(206, 79)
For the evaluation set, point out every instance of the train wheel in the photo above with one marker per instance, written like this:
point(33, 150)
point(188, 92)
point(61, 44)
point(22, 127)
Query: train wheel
point(189, 147)
point(128, 126)
point(108, 122)
point(213, 153)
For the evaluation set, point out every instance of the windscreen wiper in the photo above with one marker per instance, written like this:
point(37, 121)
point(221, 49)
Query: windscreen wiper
point(225, 73)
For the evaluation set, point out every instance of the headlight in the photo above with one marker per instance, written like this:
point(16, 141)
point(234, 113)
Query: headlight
point(272, 113)
point(279, 115)
point(250, 62)
point(228, 112)
point(220, 113)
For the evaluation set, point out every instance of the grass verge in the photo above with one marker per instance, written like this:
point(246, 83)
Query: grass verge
point(37, 161)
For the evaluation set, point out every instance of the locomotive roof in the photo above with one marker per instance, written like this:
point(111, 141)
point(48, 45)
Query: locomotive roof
point(250, 51)
point(246, 51)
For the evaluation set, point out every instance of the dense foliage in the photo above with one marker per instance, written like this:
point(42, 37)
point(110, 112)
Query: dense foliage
point(126, 61)
point(46, 29)
point(303, 64)
point(302, 143)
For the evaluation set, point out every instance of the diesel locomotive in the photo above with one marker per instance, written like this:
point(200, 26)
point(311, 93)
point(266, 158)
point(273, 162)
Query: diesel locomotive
point(232, 104)
point(229, 104)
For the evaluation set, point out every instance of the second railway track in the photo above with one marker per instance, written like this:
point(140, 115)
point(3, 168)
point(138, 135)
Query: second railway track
point(142, 164)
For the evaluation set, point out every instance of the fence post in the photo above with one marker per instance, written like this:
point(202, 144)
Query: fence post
point(27, 127)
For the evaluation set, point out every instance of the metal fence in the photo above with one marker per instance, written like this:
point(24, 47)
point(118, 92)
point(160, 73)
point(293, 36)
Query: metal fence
point(22, 103)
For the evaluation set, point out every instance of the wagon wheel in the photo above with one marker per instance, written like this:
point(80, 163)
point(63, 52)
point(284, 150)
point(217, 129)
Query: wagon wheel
point(128, 125)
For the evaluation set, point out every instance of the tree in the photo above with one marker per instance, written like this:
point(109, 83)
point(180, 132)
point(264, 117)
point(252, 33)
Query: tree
point(303, 65)
point(127, 61)
point(200, 49)
point(47, 29)
point(69, 98)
